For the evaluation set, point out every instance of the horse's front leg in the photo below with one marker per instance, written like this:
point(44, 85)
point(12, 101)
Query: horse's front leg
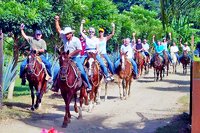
point(75, 104)
point(67, 98)
point(39, 95)
point(120, 88)
point(32, 97)
point(106, 91)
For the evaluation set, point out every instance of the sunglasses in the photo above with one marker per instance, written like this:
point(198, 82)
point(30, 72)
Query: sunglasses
point(68, 33)
point(91, 31)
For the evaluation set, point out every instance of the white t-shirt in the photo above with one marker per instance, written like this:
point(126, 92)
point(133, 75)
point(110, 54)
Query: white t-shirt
point(127, 49)
point(146, 47)
point(174, 49)
point(72, 45)
point(91, 44)
point(102, 46)
point(186, 48)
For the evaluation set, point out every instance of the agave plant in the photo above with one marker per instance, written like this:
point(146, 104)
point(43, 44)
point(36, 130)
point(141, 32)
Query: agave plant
point(9, 74)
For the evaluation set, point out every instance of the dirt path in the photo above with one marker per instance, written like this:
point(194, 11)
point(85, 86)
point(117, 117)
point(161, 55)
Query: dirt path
point(151, 105)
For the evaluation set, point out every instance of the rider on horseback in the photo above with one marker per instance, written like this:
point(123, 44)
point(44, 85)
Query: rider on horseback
point(185, 48)
point(38, 45)
point(165, 45)
point(146, 48)
point(138, 46)
point(126, 47)
point(158, 49)
point(102, 47)
point(73, 45)
point(174, 49)
point(92, 45)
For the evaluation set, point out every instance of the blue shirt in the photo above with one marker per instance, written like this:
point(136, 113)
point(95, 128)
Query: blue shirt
point(158, 48)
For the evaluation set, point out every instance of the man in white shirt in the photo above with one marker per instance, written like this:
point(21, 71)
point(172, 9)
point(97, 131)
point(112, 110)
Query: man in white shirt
point(174, 49)
point(186, 48)
point(126, 47)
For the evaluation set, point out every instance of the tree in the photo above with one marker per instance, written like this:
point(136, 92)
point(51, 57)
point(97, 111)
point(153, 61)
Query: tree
point(35, 15)
point(1, 68)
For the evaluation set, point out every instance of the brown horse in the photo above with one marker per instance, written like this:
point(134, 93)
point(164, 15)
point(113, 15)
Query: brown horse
point(125, 75)
point(158, 67)
point(35, 73)
point(185, 60)
point(95, 76)
point(140, 61)
point(69, 81)
point(166, 63)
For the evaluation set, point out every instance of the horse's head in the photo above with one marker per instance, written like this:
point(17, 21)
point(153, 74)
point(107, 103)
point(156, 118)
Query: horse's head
point(123, 57)
point(185, 58)
point(158, 60)
point(91, 60)
point(31, 61)
point(64, 63)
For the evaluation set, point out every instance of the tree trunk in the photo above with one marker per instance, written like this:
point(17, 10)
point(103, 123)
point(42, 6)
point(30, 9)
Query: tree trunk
point(10, 90)
point(1, 68)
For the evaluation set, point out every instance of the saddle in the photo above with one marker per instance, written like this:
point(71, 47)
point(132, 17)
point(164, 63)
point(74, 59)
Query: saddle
point(44, 67)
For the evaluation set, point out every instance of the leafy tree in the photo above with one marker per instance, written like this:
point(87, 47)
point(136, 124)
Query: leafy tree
point(145, 22)
point(35, 15)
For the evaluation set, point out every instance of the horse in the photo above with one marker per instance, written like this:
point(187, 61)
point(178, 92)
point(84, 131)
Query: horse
point(185, 60)
point(95, 76)
point(35, 73)
point(174, 61)
point(140, 61)
point(125, 74)
point(166, 63)
point(69, 81)
point(147, 64)
point(158, 67)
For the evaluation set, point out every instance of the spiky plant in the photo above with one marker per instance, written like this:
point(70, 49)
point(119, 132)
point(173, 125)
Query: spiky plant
point(9, 75)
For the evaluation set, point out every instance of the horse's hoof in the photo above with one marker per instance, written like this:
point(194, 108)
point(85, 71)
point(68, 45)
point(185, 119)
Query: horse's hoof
point(32, 108)
point(36, 106)
point(80, 117)
point(64, 125)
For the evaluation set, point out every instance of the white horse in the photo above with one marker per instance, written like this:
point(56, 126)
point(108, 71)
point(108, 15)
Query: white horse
point(174, 61)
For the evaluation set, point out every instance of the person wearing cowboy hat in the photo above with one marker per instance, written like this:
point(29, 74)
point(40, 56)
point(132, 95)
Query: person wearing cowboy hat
point(92, 45)
point(185, 48)
point(39, 45)
point(73, 45)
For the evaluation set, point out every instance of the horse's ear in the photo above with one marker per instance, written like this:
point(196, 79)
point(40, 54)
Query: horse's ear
point(58, 51)
point(126, 52)
point(67, 52)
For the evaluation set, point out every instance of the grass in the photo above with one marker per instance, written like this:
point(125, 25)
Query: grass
point(180, 123)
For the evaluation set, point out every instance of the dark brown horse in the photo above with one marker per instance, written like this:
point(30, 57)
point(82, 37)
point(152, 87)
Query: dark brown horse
point(95, 76)
point(166, 63)
point(35, 73)
point(158, 67)
point(140, 61)
point(185, 60)
point(125, 75)
point(69, 81)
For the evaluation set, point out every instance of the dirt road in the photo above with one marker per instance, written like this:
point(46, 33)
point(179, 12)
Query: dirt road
point(151, 105)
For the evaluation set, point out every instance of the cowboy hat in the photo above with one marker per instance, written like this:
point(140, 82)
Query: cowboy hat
point(67, 30)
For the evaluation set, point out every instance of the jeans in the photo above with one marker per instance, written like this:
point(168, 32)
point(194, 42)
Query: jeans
point(132, 62)
point(103, 67)
point(44, 60)
point(110, 64)
point(79, 64)
point(182, 56)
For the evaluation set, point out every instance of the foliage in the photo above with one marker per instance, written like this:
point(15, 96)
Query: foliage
point(9, 74)
point(145, 22)
point(125, 5)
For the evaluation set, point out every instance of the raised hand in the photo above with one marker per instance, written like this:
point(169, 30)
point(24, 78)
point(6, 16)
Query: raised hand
point(83, 21)
point(22, 26)
point(57, 17)
point(113, 25)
